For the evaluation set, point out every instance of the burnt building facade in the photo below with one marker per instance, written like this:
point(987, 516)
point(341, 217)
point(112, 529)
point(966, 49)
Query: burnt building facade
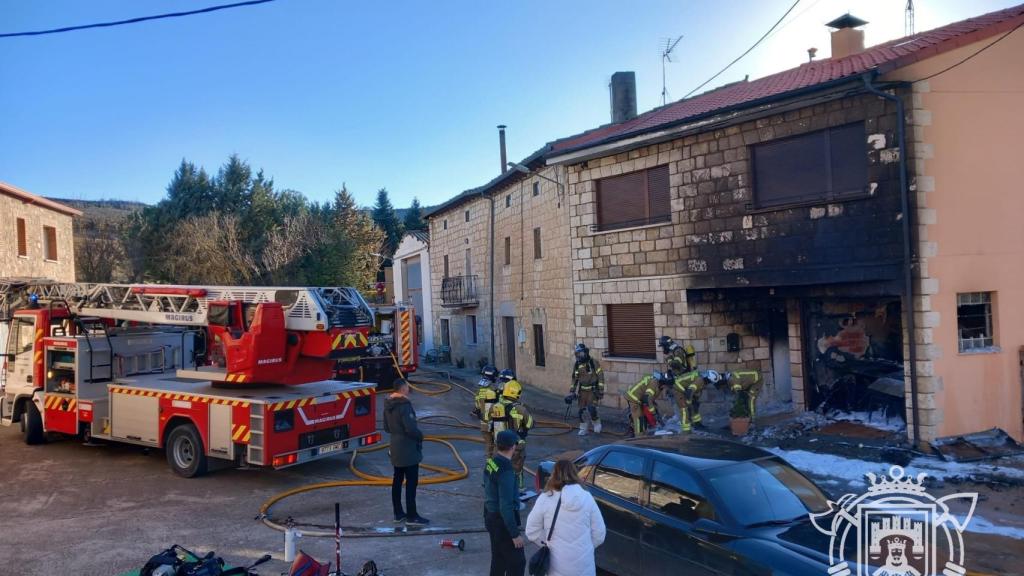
point(770, 241)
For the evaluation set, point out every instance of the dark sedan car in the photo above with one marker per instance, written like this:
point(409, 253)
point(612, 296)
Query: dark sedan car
point(700, 506)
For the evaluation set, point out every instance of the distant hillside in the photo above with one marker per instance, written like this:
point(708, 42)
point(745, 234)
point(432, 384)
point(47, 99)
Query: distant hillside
point(100, 254)
point(103, 211)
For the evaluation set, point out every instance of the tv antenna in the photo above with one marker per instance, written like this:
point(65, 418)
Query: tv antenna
point(908, 19)
point(666, 57)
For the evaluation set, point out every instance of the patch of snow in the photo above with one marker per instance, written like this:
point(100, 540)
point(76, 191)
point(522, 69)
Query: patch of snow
point(853, 470)
point(980, 525)
point(876, 419)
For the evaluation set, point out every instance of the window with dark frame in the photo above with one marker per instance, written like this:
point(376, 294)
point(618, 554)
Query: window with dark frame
point(470, 329)
point(508, 250)
point(445, 223)
point(631, 331)
point(536, 188)
point(467, 215)
point(974, 321)
point(508, 200)
point(446, 266)
point(820, 166)
point(50, 242)
point(634, 199)
point(538, 252)
point(677, 493)
point(22, 238)
point(620, 474)
point(538, 345)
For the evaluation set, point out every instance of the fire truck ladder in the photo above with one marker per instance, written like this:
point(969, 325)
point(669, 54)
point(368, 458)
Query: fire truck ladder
point(305, 308)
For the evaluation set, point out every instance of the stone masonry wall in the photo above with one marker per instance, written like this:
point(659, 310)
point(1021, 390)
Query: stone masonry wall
point(535, 291)
point(35, 263)
point(453, 242)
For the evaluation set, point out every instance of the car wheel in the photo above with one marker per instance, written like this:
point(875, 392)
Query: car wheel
point(185, 452)
point(32, 424)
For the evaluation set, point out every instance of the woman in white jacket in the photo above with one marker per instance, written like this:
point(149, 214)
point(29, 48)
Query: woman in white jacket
point(579, 528)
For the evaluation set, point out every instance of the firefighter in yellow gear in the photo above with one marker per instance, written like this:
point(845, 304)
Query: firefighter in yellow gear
point(509, 413)
point(588, 388)
point(487, 394)
point(673, 351)
point(644, 393)
point(746, 385)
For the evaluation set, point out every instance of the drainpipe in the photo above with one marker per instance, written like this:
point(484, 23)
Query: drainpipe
point(494, 361)
point(908, 275)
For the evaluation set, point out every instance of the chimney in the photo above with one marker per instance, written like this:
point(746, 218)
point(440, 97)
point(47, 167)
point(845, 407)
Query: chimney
point(623, 96)
point(501, 144)
point(846, 39)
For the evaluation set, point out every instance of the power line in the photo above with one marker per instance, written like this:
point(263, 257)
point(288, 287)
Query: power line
point(980, 50)
point(134, 20)
point(740, 57)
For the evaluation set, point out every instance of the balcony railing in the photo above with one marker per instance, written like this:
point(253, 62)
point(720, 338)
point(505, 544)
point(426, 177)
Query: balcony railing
point(459, 292)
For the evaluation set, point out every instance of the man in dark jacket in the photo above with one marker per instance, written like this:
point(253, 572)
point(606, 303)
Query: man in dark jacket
point(501, 509)
point(406, 453)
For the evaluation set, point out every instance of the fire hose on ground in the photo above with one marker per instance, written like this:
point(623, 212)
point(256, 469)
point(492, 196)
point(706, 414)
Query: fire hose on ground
point(442, 474)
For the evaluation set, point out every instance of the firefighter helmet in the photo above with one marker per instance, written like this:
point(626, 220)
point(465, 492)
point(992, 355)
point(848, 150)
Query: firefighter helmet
point(507, 375)
point(489, 373)
point(512, 390)
point(666, 343)
point(581, 352)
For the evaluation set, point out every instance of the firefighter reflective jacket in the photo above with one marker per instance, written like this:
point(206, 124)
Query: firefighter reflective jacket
point(509, 415)
point(644, 392)
point(682, 358)
point(691, 384)
point(484, 400)
point(588, 375)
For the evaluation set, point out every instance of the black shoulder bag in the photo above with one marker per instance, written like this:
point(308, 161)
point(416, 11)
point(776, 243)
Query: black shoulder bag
point(540, 562)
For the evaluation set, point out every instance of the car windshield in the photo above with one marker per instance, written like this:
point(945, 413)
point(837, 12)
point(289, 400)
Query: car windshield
point(765, 492)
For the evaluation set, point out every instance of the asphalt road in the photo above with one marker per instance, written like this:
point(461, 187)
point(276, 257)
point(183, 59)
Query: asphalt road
point(102, 511)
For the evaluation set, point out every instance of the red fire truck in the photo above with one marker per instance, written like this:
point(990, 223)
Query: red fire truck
point(235, 374)
point(393, 340)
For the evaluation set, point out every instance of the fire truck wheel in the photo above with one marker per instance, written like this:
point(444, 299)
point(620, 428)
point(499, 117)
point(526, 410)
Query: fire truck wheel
point(185, 451)
point(32, 422)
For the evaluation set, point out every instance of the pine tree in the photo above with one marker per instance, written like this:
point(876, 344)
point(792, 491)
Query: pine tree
point(386, 219)
point(414, 217)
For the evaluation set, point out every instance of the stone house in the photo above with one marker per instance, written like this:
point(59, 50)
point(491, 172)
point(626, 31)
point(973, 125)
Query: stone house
point(785, 224)
point(37, 238)
point(501, 275)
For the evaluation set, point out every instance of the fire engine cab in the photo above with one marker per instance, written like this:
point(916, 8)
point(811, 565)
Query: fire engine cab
point(240, 375)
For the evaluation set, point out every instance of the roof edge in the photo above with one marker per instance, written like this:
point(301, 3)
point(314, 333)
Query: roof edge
point(30, 198)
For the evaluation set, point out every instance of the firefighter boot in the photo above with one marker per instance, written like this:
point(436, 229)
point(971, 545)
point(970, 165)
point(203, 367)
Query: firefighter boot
point(583, 429)
point(597, 426)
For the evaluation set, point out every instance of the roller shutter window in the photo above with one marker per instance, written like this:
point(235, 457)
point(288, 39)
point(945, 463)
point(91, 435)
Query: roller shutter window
point(659, 198)
point(634, 199)
point(817, 167)
point(22, 238)
point(631, 331)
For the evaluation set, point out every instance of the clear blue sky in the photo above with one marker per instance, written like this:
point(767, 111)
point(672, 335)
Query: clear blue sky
point(403, 95)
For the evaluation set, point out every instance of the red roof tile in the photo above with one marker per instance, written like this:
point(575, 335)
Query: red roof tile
point(883, 57)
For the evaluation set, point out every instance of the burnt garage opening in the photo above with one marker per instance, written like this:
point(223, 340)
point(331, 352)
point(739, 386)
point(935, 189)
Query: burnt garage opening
point(823, 348)
point(854, 355)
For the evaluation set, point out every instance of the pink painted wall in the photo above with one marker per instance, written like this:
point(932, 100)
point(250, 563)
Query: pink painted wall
point(970, 174)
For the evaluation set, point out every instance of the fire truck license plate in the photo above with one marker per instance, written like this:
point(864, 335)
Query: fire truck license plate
point(330, 448)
